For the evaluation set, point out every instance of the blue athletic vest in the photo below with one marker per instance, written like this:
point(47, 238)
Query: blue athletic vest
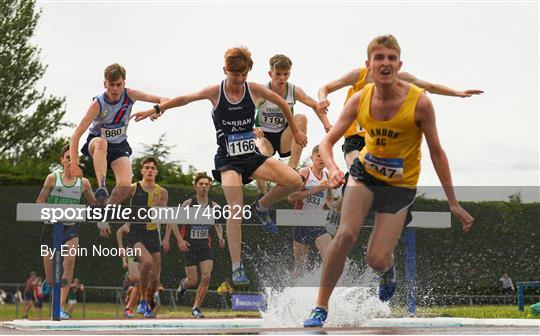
point(234, 123)
point(112, 121)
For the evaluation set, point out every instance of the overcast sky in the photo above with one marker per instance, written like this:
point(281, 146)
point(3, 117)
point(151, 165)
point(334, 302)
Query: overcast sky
point(172, 48)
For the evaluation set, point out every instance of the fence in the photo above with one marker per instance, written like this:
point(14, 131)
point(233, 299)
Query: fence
point(115, 295)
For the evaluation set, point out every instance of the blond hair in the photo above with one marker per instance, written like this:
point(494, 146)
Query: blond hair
point(383, 41)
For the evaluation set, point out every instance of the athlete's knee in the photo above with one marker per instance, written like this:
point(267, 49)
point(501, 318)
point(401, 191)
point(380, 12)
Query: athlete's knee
point(146, 264)
point(301, 120)
point(133, 279)
point(69, 263)
point(345, 239)
point(297, 180)
point(190, 282)
point(205, 278)
point(99, 144)
point(378, 262)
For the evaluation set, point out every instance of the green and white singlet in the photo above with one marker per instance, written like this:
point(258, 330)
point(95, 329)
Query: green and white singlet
point(269, 116)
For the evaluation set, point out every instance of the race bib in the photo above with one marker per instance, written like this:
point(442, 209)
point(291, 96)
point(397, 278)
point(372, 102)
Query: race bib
point(239, 144)
point(390, 168)
point(112, 132)
point(274, 120)
point(198, 232)
point(315, 199)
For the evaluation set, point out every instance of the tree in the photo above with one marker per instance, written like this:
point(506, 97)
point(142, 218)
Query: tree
point(29, 120)
point(170, 172)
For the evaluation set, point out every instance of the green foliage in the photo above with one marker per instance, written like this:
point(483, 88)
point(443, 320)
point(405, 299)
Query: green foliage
point(29, 118)
point(170, 172)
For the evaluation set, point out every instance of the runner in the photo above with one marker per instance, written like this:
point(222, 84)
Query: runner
point(133, 273)
point(63, 188)
point(315, 194)
point(107, 143)
point(146, 237)
point(270, 119)
point(195, 241)
point(238, 160)
point(395, 115)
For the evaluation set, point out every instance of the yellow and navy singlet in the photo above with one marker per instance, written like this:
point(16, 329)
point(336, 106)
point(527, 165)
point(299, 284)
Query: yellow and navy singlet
point(355, 128)
point(142, 198)
point(392, 151)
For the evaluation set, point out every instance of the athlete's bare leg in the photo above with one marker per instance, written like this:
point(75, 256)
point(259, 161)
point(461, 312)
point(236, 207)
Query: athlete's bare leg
point(123, 174)
point(383, 240)
point(322, 242)
point(146, 263)
point(266, 149)
point(98, 151)
point(206, 272)
point(69, 267)
point(287, 142)
point(154, 275)
point(191, 278)
point(288, 180)
point(231, 183)
point(300, 252)
point(356, 204)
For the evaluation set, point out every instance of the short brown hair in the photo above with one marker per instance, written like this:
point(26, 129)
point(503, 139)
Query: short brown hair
point(201, 175)
point(280, 62)
point(238, 59)
point(315, 150)
point(150, 159)
point(64, 150)
point(386, 41)
point(114, 72)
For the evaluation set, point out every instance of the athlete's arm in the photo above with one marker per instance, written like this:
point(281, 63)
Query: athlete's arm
point(308, 101)
point(211, 93)
point(90, 115)
point(46, 190)
point(346, 80)
point(437, 88)
point(260, 91)
point(123, 230)
point(219, 231)
point(142, 96)
point(425, 118)
point(164, 199)
point(346, 118)
point(298, 195)
point(88, 193)
point(329, 198)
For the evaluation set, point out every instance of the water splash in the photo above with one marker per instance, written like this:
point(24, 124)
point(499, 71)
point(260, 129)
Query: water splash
point(353, 302)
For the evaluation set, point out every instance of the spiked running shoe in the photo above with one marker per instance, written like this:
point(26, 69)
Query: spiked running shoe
point(181, 291)
point(102, 195)
point(317, 318)
point(239, 278)
point(196, 312)
point(387, 284)
point(264, 218)
point(141, 309)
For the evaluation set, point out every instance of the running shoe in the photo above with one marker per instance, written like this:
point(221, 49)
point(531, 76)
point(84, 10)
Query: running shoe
point(264, 218)
point(239, 278)
point(142, 307)
point(128, 313)
point(102, 195)
point(387, 284)
point(181, 291)
point(64, 315)
point(196, 312)
point(148, 313)
point(45, 288)
point(317, 318)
